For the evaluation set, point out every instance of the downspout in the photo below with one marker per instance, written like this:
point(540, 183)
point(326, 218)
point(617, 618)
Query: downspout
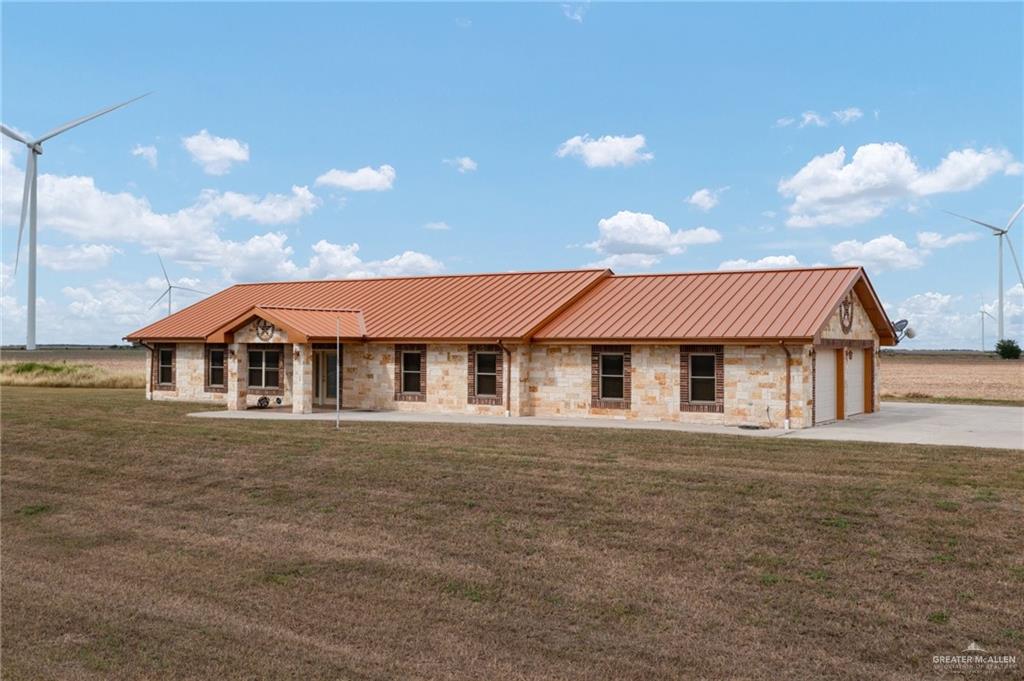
point(152, 358)
point(789, 380)
point(507, 370)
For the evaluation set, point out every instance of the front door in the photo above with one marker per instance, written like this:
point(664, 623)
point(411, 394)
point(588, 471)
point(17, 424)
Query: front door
point(325, 377)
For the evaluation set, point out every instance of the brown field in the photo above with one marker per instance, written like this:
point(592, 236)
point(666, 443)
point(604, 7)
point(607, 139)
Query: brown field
point(138, 543)
point(951, 376)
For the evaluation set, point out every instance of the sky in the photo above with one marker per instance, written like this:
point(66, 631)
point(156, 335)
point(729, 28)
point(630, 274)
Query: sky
point(325, 140)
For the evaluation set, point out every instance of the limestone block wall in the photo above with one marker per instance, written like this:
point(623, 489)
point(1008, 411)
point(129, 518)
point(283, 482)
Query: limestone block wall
point(755, 386)
point(368, 379)
point(559, 380)
point(655, 384)
point(189, 368)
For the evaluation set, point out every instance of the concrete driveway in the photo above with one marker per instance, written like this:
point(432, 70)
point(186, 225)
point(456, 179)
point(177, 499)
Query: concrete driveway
point(906, 422)
point(929, 424)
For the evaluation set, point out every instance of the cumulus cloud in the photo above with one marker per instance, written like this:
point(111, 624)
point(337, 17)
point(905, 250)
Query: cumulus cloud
point(341, 261)
point(606, 151)
point(366, 179)
point(882, 253)
point(945, 320)
point(933, 240)
point(76, 257)
point(705, 198)
point(215, 154)
point(147, 152)
point(640, 239)
point(848, 115)
point(464, 164)
point(830, 191)
point(767, 262)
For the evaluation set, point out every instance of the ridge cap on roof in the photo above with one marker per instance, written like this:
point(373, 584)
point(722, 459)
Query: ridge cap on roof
point(428, 276)
point(760, 269)
point(299, 308)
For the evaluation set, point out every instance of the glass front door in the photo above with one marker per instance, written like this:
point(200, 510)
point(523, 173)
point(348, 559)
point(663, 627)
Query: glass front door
point(325, 377)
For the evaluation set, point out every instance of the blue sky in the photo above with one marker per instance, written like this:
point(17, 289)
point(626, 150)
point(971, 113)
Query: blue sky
point(310, 141)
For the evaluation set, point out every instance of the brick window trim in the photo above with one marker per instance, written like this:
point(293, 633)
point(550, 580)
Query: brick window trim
point(207, 387)
point(596, 401)
point(420, 396)
point(499, 368)
point(716, 407)
point(270, 392)
point(155, 373)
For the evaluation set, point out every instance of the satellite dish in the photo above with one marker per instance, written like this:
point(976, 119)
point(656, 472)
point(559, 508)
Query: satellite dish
point(910, 333)
point(900, 325)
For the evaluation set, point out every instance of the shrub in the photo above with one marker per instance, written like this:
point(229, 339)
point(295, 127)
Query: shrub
point(1008, 349)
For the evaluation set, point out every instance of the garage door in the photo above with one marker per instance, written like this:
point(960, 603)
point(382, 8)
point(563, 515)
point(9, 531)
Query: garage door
point(824, 385)
point(855, 384)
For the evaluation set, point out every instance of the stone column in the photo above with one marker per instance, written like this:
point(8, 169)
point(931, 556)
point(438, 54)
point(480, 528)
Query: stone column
point(302, 378)
point(238, 376)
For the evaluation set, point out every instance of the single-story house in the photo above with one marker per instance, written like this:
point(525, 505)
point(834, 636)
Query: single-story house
point(768, 348)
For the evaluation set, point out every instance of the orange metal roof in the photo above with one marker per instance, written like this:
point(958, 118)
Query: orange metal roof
point(464, 307)
point(721, 306)
point(303, 324)
point(572, 305)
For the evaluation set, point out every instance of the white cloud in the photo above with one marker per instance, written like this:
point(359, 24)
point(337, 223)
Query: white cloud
point(270, 209)
point(627, 261)
point(147, 152)
point(830, 191)
point(882, 253)
point(606, 151)
point(76, 257)
point(933, 240)
point(848, 115)
point(812, 118)
point(215, 154)
point(944, 320)
point(440, 225)
point(464, 164)
point(784, 122)
point(341, 261)
point(640, 239)
point(705, 198)
point(574, 12)
point(767, 262)
point(366, 179)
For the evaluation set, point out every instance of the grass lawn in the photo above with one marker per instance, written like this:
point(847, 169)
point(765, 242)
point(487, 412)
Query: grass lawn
point(138, 543)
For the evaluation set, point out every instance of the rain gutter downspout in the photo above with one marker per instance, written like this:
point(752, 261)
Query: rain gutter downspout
point(508, 377)
point(789, 379)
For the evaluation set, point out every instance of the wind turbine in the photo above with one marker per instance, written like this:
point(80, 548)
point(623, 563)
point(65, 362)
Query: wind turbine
point(170, 289)
point(1000, 233)
point(983, 315)
point(28, 205)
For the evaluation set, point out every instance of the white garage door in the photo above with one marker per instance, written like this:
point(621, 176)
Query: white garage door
point(855, 383)
point(824, 385)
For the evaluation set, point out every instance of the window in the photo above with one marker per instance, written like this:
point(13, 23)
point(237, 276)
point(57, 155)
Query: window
point(215, 368)
point(487, 374)
point(412, 371)
point(702, 378)
point(264, 368)
point(165, 373)
point(613, 376)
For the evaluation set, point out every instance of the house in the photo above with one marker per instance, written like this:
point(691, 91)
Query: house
point(767, 348)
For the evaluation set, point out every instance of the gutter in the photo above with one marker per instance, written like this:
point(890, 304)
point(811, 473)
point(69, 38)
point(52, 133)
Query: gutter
point(507, 370)
point(789, 379)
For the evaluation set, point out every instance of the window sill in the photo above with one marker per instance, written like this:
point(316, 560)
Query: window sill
point(265, 391)
point(488, 400)
point(610, 403)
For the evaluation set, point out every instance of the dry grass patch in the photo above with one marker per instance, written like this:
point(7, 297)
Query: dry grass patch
point(172, 548)
point(74, 368)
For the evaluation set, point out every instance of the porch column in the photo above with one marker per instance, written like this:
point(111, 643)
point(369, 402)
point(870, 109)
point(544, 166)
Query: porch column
point(302, 378)
point(238, 376)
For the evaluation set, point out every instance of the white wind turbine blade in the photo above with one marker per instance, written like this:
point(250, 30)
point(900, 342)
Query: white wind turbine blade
point(168, 290)
point(995, 229)
point(13, 135)
point(164, 269)
point(1013, 256)
point(185, 288)
point(86, 119)
point(30, 171)
point(1014, 217)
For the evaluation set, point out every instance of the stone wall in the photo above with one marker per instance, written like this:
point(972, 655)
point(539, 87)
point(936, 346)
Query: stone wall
point(755, 386)
point(189, 368)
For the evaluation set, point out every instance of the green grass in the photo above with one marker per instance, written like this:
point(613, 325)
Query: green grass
point(141, 543)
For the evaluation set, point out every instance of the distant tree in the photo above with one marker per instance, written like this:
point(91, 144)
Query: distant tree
point(1008, 349)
